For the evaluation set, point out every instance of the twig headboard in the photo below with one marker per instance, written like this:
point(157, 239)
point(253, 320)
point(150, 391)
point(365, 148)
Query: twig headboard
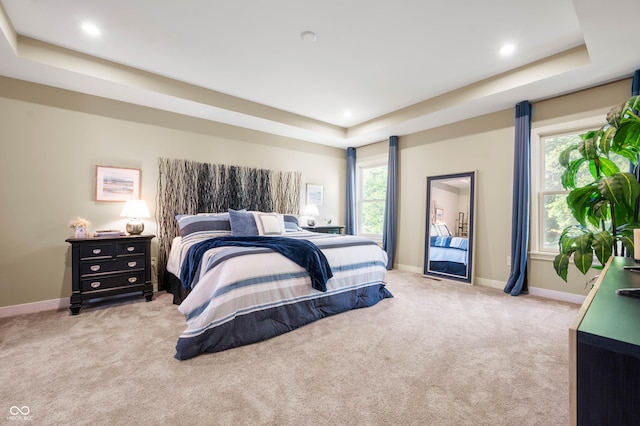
point(190, 187)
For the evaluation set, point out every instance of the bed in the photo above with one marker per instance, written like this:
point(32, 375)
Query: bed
point(449, 255)
point(235, 293)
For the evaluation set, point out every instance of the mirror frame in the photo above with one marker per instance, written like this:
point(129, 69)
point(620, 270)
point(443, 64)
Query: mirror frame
point(471, 230)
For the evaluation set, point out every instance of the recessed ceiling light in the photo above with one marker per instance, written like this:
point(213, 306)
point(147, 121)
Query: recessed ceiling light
point(507, 49)
point(309, 36)
point(347, 114)
point(91, 29)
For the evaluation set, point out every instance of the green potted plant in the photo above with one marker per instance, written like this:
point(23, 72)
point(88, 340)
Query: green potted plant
point(606, 208)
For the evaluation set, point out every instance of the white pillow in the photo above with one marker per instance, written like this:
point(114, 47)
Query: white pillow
point(269, 223)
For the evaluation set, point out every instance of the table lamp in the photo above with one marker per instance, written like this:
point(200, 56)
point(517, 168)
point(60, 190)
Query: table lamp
point(135, 210)
point(311, 210)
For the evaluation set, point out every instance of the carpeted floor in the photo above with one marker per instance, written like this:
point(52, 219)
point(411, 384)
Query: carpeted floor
point(438, 353)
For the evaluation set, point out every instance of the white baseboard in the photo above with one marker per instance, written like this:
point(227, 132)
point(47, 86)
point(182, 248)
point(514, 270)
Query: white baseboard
point(557, 295)
point(499, 285)
point(408, 268)
point(484, 282)
point(51, 305)
point(30, 308)
point(536, 291)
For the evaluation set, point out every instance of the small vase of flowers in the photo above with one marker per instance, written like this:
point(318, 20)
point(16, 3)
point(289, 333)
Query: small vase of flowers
point(80, 227)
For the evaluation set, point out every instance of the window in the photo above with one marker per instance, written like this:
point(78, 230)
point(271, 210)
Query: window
point(372, 194)
point(553, 213)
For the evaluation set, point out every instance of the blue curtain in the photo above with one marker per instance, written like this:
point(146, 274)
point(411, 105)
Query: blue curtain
point(517, 283)
point(391, 204)
point(350, 224)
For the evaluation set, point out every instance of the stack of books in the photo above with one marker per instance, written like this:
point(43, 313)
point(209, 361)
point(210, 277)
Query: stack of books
point(109, 233)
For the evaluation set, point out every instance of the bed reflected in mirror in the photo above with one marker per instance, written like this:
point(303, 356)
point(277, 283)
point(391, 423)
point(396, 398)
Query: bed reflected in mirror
point(449, 230)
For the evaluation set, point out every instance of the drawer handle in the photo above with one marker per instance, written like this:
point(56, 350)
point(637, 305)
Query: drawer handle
point(95, 268)
point(95, 284)
point(131, 248)
point(97, 251)
point(133, 279)
point(132, 264)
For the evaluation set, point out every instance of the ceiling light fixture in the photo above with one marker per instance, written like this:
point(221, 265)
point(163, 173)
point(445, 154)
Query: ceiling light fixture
point(91, 29)
point(507, 49)
point(309, 36)
point(347, 114)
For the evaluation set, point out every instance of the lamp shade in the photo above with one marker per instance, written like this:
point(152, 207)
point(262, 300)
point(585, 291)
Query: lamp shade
point(311, 210)
point(136, 209)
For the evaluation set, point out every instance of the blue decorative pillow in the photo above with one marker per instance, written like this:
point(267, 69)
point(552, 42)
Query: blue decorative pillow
point(216, 224)
point(243, 224)
point(290, 223)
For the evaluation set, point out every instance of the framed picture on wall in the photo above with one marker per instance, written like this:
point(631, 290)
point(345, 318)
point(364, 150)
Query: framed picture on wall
point(439, 215)
point(117, 184)
point(315, 194)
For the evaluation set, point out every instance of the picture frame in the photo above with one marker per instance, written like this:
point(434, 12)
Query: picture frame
point(439, 215)
point(117, 183)
point(315, 194)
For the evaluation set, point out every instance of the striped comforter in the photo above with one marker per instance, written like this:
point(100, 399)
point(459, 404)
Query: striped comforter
point(245, 295)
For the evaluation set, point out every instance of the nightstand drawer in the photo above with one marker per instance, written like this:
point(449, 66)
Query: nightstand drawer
point(129, 248)
point(113, 281)
point(88, 267)
point(88, 251)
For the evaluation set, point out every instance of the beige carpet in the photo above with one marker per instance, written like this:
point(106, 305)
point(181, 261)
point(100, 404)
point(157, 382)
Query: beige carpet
point(439, 353)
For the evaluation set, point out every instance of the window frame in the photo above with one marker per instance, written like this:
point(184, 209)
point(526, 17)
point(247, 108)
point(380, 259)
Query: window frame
point(369, 163)
point(538, 133)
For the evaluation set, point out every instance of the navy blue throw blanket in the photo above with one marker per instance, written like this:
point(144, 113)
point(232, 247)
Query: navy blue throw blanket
point(302, 252)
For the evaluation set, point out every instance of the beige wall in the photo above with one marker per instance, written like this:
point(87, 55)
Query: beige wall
point(485, 144)
point(51, 140)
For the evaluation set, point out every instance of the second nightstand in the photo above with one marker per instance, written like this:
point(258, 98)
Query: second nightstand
point(328, 229)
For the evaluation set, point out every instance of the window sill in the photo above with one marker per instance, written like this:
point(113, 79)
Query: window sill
point(549, 257)
point(541, 255)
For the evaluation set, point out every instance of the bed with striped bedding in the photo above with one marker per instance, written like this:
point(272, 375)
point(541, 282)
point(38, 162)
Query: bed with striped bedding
point(243, 295)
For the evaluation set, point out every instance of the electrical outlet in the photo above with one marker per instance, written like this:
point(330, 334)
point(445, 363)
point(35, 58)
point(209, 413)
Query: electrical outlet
point(508, 260)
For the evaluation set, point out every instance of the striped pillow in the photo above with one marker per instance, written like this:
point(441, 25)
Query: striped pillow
point(216, 224)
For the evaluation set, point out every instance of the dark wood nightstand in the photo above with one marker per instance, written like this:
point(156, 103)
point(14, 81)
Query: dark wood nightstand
point(328, 229)
point(107, 266)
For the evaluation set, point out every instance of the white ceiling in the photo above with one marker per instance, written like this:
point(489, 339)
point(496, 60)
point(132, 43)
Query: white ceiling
point(399, 66)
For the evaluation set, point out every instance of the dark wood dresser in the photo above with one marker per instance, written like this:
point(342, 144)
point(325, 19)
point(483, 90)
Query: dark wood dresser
point(604, 351)
point(108, 266)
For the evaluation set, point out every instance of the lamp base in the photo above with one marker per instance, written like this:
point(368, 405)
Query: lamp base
point(135, 227)
point(311, 222)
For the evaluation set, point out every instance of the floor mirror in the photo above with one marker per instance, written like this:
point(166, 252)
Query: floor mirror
point(450, 227)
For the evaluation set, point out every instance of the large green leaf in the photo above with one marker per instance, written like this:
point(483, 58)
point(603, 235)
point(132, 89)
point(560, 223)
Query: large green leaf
point(633, 103)
point(583, 256)
point(588, 135)
point(615, 114)
point(628, 135)
point(606, 137)
point(621, 189)
point(602, 245)
point(568, 177)
point(565, 156)
point(588, 148)
point(608, 167)
point(580, 200)
point(561, 265)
